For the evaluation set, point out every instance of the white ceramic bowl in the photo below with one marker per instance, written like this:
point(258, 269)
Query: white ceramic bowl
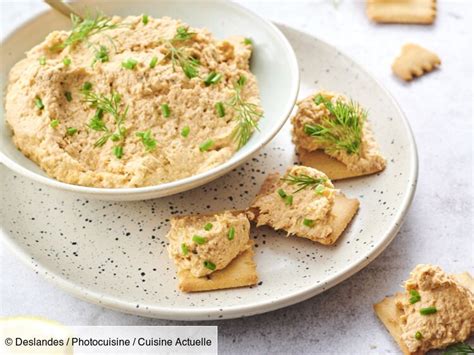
point(273, 62)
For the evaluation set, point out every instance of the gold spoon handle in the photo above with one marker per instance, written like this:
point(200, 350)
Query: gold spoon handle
point(62, 7)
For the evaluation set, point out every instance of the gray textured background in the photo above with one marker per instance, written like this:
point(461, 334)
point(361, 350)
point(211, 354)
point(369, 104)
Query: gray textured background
point(438, 229)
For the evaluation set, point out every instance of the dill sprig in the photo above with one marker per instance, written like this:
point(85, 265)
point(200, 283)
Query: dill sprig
point(110, 105)
point(342, 129)
point(247, 114)
point(304, 181)
point(82, 29)
point(461, 348)
point(179, 55)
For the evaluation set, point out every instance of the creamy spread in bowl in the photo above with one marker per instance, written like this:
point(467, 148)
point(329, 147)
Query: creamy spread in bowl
point(131, 102)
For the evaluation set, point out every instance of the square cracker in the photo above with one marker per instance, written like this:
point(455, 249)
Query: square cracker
point(333, 168)
point(421, 12)
point(241, 271)
point(414, 61)
point(389, 313)
point(344, 209)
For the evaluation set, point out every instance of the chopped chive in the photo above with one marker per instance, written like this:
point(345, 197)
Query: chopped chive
point(428, 310)
point(87, 86)
point(145, 19)
point(71, 131)
point(67, 61)
point(42, 60)
point(281, 193)
point(209, 265)
point(208, 226)
point(39, 103)
point(418, 336)
point(415, 296)
point(118, 151)
point(199, 240)
point(129, 64)
point(231, 234)
point(289, 200)
point(68, 96)
point(212, 78)
point(220, 109)
point(54, 123)
point(165, 110)
point(319, 189)
point(184, 249)
point(147, 140)
point(308, 222)
point(247, 41)
point(102, 55)
point(185, 131)
point(206, 145)
point(153, 62)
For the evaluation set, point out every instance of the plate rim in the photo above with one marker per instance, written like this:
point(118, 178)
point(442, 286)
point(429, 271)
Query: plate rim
point(215, 313)
point(185, 184)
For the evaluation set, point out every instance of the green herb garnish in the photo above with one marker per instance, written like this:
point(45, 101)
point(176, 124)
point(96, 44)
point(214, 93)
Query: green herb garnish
point(42, 60)
point(184, 249)
point(208, 226)
point(210, 265)
point(308, 222)
point(82, 29)
point(110, 105)
point(87, 86)
point(282, 193)
point(39, 103)
point(147, 140)
point(231, 233)
point(101, 55)
point(303, 181)
point(144, 19)
point(96, 123)
point(54, 123)
point(319, 189)
point(248, 41)
point(418, 336)
point(118, 151)
point(289, 200)
point(459, 349)
point(428, 310)
point(212, 78)
point(206, 145)
point(247, 114)
point(165, 110)
point(68, 96)
point(414, 296)
point(178, 54)
point(71, 131)
point(185, 131)
point(129, 64)
point(220, 109)
point(67, 61)
point(342, 129)
point(199, 240)
point(153, 62)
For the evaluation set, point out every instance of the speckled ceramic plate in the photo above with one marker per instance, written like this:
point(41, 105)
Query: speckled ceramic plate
point(114, 253)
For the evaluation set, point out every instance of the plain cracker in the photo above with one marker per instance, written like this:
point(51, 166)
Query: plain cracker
point(240, 272)
point(414, 61)
point(389, 313)
point(421, 12)
point(333, 168)
point(344, 209)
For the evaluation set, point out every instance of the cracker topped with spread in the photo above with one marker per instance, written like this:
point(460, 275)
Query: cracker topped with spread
point(212, 251)
point(303, 203)
point(331, 134)
point(435, 311)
